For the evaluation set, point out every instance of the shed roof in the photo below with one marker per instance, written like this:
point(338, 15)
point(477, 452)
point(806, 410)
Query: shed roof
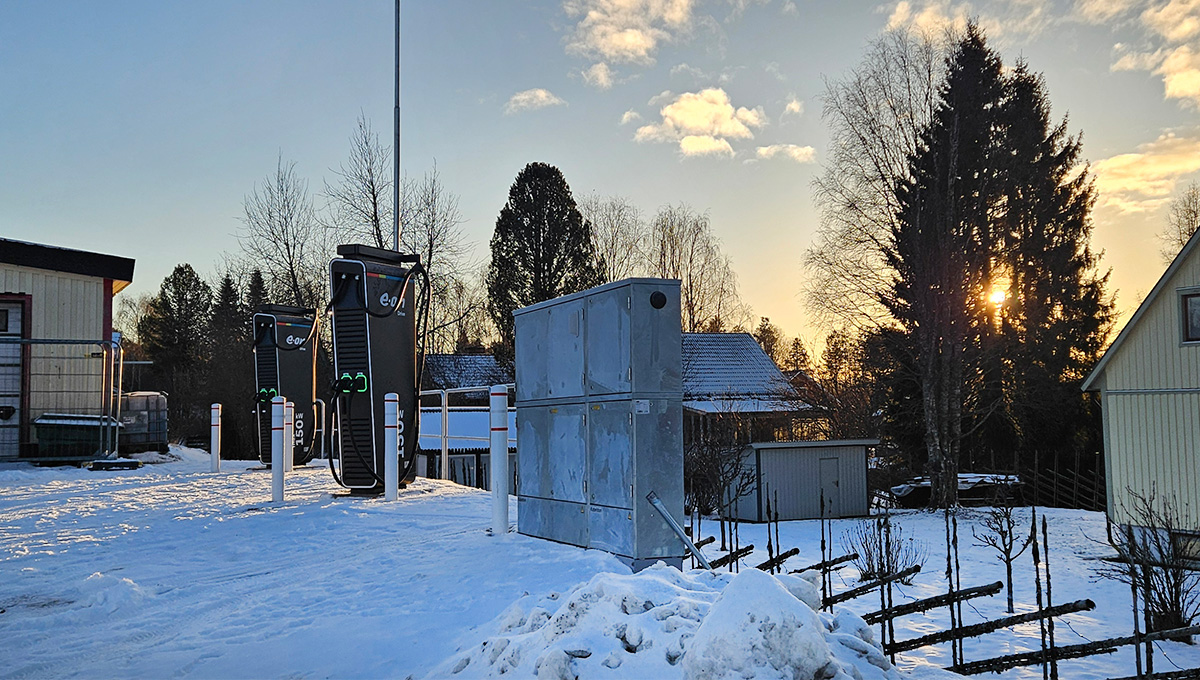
point(1141, 310)
point(69, 260)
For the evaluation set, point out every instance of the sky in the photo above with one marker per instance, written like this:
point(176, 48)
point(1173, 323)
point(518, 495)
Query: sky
point(138, 128)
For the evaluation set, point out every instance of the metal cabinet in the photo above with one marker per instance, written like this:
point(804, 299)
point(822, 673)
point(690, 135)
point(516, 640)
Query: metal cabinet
point(600, 419)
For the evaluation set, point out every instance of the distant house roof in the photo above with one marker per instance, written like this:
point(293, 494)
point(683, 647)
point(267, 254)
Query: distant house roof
point(69, 260)
point(722, 372)
point(731, 372)
point(447, 371)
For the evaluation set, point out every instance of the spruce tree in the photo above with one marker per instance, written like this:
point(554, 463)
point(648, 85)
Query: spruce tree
point(231, 371)
point(542, 248)
point(941, 246)
point(1056, 315)
point(175, 333)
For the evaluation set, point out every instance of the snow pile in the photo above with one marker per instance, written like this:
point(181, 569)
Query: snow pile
point(663, 623)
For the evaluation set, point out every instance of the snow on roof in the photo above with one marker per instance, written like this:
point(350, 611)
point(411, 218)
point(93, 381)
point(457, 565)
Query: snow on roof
point(446, 371)
point(731, 367)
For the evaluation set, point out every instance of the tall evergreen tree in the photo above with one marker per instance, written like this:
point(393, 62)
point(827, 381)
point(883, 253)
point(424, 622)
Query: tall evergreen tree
point(542, 248)
point(256, 295)
point(1056, 315)
point(941, 246)
point(231, 373)
point(175, 333)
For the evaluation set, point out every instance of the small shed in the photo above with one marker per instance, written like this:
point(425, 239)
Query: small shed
point(795, 476)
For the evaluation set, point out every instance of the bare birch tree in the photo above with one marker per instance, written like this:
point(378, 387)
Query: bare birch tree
point(682, 246)
point(1183, 218)
point(619, 232)
point(875, 116)
point(431, 226)
point(360, 202)
point(281, 236)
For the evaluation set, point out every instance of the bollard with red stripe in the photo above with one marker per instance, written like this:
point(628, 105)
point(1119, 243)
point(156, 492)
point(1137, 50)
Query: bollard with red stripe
point(498, 408)
point(277, 440)
point(391, 446)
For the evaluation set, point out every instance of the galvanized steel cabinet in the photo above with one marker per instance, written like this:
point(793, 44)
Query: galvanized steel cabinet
point(600, 418)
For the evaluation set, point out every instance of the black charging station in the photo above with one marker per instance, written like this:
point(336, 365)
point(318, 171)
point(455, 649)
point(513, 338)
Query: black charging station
point(285, 364)
point(374, 353)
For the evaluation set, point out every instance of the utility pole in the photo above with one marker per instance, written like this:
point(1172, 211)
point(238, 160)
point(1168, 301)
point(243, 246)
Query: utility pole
point(396, 145)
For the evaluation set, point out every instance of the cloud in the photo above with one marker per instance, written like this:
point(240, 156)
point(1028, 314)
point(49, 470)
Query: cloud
point(599, 76)
point(789, 8)
point(1144, 180)
point(664, 96)
point(772, 67)
point(704, 145)
point(1101, 11)
point(1170, 29)
point(626, 31)
point(529, 100)
point(630, 116)
point(1016, 19)
point(794, 107)
point(701, 77)
point(932, 16)
point(800, 154)
point(703, 123)
point(1176, 20)
point(1180, 71)
point(1136, 61)
point(708, 112)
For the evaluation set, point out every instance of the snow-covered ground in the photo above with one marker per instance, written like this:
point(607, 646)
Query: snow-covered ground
point(171, 570)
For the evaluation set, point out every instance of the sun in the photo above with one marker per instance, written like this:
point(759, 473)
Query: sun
point(997, 297)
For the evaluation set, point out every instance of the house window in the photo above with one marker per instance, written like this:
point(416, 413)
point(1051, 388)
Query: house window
point(1187, 545)
point(3, 320)
point(1191, 317)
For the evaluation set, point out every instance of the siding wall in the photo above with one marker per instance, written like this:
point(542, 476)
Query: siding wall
point(1152, 437)
point(63, 378)
point(1153, 446)
point(64, 305)
point(795, 474)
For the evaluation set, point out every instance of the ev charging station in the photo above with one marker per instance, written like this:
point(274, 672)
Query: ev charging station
point(374, 353)
point(285, 362)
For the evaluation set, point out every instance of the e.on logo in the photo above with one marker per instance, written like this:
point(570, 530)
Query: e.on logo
point(390, 301)
point(293, 340)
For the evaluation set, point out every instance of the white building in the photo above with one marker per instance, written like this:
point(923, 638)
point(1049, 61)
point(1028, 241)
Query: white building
point(1149, 385)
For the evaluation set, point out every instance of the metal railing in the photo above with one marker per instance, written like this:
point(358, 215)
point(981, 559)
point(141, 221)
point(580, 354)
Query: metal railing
point(60, 389)
point(444, 435)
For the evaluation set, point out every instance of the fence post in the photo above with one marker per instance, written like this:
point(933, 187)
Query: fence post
point(498, 464)
point(278, 438)
point(289, 440)
point(214, 445)
point(391, 445)
point(445, 435)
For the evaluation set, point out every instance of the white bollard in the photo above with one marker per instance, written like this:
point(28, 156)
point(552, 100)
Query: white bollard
point(289, 428)
point(214, 444)
point(499, 458)
point(391, 446)
point(278, 439)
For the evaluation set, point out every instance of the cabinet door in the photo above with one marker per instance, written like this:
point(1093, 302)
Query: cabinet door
point(608, 360)
point(610, 452)
point(550, 452)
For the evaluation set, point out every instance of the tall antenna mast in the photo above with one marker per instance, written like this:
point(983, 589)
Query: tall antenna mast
point(396, 145)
